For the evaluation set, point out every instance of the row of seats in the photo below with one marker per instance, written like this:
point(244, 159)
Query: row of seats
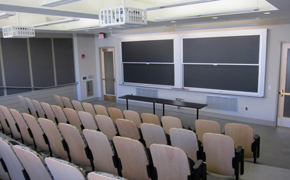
point(19, 162)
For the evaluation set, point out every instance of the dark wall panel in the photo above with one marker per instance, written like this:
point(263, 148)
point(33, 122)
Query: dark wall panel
point(64, 60)
point(15, 59)
point(150, 74)
point(239, 49)
point(42, 63)
point(148, 51)
point(233, 78)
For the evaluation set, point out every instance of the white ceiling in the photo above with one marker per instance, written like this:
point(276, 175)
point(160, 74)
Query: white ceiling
point(29, 12)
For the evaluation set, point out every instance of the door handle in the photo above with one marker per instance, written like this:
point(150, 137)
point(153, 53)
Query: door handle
point(282, 93)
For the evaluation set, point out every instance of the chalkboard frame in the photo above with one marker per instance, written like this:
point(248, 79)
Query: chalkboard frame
point(262, 33)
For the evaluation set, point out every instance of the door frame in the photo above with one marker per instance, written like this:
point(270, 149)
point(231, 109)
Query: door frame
point(283, 121)
point(102, 67)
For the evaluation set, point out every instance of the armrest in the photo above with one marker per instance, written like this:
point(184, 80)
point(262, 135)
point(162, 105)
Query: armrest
point(256, 147)
point(3, 165)
point(168, 139)
point(198, 171)
point(90, 156)
point(238, 162)
point(200, 154)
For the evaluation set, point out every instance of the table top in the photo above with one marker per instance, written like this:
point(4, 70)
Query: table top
point(164, 101)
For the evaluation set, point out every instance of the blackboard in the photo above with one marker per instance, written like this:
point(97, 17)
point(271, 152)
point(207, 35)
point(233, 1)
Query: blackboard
point(148, 62)
point(148, 51)
point(222, 63)
point(41, 61)
point(149, 74)
point(232, 78)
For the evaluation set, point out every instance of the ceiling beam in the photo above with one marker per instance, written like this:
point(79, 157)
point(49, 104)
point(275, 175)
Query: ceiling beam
point(24, 9)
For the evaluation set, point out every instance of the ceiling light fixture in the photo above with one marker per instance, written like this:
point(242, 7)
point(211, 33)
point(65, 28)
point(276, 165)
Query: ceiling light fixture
point(206, 15)
point(49, 23)
point(217, 25)
point(54, 3)
point(185, 3)
point(6, 15)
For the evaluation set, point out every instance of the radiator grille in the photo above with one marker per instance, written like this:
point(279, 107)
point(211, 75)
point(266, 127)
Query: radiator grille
point(222, 103)
point(147, 92)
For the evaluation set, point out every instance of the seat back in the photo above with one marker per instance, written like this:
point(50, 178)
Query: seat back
point(12, 123)
point(185, 140)
point(101, 110)
point(77, 105)
point(24, 104)
point(66, 102)
point(103, 176)
point(133, 158)
point(87, 120)
point(88, 107)
point(15, 168)
point(206, 126)
point(150, 118)
point(106, 125)
point(61, 169)
point(59, 114)
point(38, 108)
point(153, 134)
point(23, 127)
point(48, 111)
point(219, 150)
point(170, 122)
point(76, 144)
point(38, 134)
point(31, 107)
point(54, 137)
point(133, 116)
point(102, 151)
point(171, 163)
point(33, 163)
point(115, 113)
point(73, 117)
point(5, 126)
point(128, 129)
point(58, 100)
point(243, 135)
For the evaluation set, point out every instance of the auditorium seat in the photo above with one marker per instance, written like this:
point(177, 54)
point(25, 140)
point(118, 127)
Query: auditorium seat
point(77, 105)
point(88, 107)
point(243, 135)
point(133, 157)
point(133, 116)
point(150, 118)
point(58, 100)
point(33, 163)
point(101, 110)
point(206, 126)
point(104, 155)
point(153, 134)
point(115, 113)
point(171, 163)
point(57, 143)
point(170, 122)
point(221, 156)
point(87, 120)
point(106, 126)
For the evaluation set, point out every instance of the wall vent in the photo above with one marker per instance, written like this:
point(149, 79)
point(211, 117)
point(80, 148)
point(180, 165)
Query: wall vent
point(222, 103)
point(147, 92)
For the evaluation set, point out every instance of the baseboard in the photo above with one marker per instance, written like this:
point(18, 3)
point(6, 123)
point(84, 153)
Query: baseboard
point(92, 99)
point(202, 113)
point(283, 123)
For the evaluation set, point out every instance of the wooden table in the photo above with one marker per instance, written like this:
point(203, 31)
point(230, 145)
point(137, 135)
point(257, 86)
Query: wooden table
point(164, 102)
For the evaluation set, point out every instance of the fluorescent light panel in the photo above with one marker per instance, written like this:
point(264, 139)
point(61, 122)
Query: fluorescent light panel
point(56, 22)
point(6, 15)
point(180, 4)
point(229, 24)
point(205, 15)
point(54, 3)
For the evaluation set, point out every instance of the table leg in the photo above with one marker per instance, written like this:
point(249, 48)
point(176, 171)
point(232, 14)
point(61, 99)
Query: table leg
point(163, 110)
point(127, 106)
point(153, 107)
point(196, 113)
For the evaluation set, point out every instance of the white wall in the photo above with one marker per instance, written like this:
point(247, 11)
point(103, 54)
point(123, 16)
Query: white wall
point(85, 44)
point(260, 110)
